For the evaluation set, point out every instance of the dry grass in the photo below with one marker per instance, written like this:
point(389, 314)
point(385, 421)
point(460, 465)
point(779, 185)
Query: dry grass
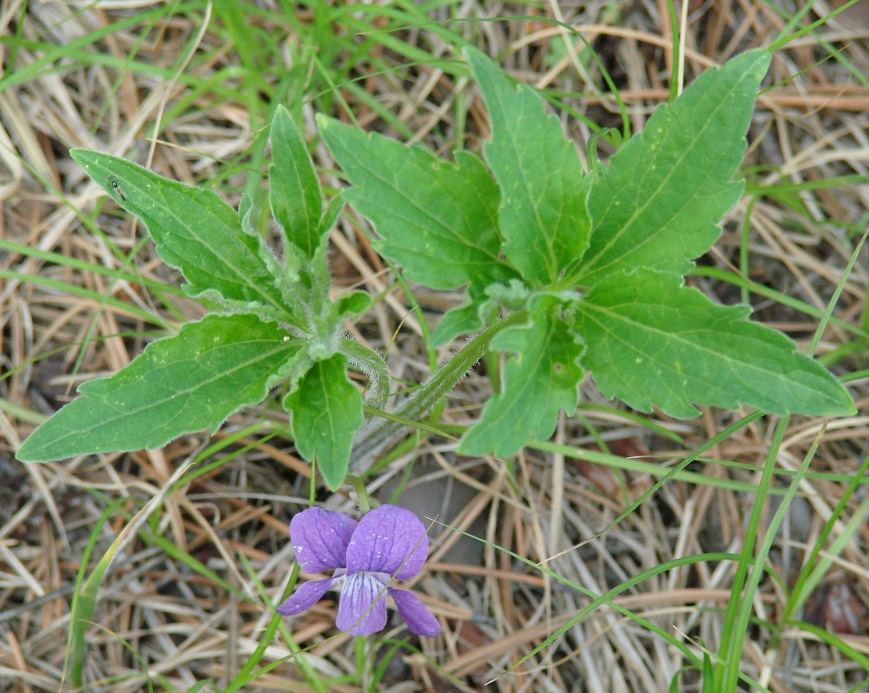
point(110, 76)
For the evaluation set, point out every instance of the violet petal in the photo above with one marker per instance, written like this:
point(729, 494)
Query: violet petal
point(320, 538)
point(418, 618)
point(362, 609)
point(306, 595)
point(383, 541)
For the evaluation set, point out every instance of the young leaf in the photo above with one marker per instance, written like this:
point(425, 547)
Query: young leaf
point(194, 231)
point(462, 319)
point(352, 304)
point(659, 201)
point(330, 217)
point(538, 381)
point(326, 412)
point(435, 218)
point(294, 189)
point(654, 342)
point(543, 214)
point(179, 384)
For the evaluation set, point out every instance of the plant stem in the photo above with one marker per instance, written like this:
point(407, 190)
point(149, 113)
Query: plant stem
point(363, 500)
point(373, 437)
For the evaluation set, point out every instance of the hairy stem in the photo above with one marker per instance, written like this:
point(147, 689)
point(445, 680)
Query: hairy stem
point(372, 366)
point(373, 438)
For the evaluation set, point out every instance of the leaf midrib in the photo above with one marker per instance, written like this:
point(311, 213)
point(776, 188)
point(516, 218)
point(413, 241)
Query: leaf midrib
point(592, 267)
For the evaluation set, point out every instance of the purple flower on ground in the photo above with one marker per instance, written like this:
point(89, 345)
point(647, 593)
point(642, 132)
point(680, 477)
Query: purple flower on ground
point(388, 543)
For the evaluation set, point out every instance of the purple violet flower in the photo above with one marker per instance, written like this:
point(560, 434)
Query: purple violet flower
point(388, 542)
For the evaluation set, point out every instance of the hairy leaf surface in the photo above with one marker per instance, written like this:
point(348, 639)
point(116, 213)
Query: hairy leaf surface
point(294, 189)
point(194, 231)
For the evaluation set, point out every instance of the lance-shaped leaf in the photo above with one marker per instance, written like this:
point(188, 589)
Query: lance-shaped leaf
point(539, 380)
point(654, 342)
point(194, 231)
point(543, 215)
point(326, 413)
point(435, 218)
point(659, 201)
point(294, 189)
point(180, 384)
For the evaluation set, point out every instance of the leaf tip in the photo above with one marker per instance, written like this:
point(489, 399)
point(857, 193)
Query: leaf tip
point(34, 450)
point(81, 156)
point(843, 406)
point(24, 453)
point(323, 121)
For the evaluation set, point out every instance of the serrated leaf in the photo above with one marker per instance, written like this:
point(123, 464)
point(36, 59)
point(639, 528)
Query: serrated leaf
point(435, 218)
point(194, 231)
point(294, 189)
point(326, 412)
point(180, 384)
point(654, 342)
point(543, 214)
point(659, 201)
point(539, 380)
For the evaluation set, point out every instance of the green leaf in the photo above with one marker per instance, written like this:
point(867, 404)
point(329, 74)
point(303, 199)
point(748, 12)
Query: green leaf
point(538, 381)
point(659, 201)
point(543, 214)
point(194, 231)
point(326, 413)
point(352, 304)
point(435, 218)
point(245, 213)
point(294, 189)
point(84, 597)
point(330, 217)
point(654, 342)
point(462, 319)
point(179, 384)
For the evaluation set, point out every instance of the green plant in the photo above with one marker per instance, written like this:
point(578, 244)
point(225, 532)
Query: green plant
point(589, 266)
